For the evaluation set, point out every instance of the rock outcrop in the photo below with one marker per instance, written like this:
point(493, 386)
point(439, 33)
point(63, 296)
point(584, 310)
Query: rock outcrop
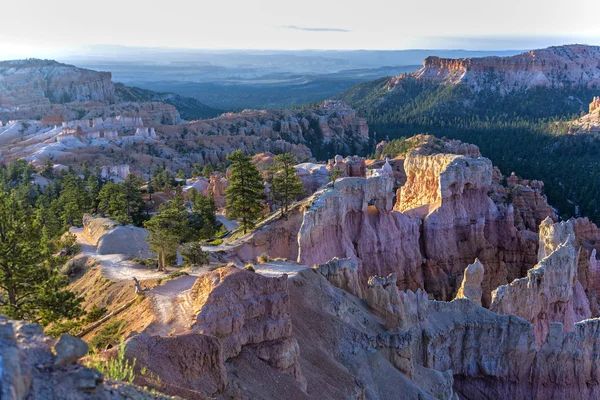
point(470, 287)
point(550, 292)
point(111, 238)
point(354, 219)
point(36, 367)
point(245, 309)
point(343, 274)
point(558, 66)
point(331, 124)
point(460, 222)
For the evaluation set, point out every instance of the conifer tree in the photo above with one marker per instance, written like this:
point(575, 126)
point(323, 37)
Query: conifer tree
point(245, 191)
point(286, 186)
point(30, 286)
point(166, 230)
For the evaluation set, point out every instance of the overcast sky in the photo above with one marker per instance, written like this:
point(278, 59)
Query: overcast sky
point(47, 28)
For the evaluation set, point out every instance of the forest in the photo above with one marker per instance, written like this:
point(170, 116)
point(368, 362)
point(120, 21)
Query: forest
point(522, 131)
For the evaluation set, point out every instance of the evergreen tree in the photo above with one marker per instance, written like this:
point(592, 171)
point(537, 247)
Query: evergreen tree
point(286, 186)
point(73, 199)
point(30, 286)
point(203, 219)
point(245, 191)
point(112, 201)
point(133, 198)
point(166, 230)
point(334, 174)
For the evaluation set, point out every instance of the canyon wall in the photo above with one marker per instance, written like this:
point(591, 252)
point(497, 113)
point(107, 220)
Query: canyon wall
point(560, 66)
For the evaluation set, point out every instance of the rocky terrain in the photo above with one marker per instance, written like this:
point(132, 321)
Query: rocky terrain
point(560, 66)
point(32, 89)
point(462, 284)
point(154, 135)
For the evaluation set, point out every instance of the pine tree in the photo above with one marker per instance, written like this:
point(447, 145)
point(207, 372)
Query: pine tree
point(203, 220)
point(73, 199)
point(245, 191)
point(113, 202)
point(166, 230)
point(30, 286)
point(133, 198)
point(286, 186)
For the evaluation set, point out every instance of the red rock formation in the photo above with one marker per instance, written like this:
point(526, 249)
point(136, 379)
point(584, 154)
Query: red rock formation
point(243, 308)
point(449, 193)
point(550, 292)
point(191, 361)
point(554, 66)
point(355, 220)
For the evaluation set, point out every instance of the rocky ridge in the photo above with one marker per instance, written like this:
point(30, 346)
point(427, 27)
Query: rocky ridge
point(559, 66)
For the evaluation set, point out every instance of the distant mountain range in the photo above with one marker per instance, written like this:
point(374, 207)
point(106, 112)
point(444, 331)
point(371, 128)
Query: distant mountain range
point(31, 88)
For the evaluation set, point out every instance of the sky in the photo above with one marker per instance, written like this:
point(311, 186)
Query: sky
point(43, 28)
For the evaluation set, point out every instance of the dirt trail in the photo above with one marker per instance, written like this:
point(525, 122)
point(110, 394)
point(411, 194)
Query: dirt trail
point(114, 266)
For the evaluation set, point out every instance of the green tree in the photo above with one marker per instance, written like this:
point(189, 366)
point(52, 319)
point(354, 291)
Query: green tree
point(203, 220)
point(207, 171)
point(133, 198)
point(193, 255)
point(334, 174)
point(286, 186)
point(166, 230)
point(73, 199)
point(245, 191)
point(113, 202)
point(30, 286)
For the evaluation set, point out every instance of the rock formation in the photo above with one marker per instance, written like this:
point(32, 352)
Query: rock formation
point(34, 366)
point(449, 193)
point(343, 273)
point(559, 66)
point(550, 292)
point(470, 288)
point(246, 309)
point(355, 220)
point(332, 123)
point(110, 238)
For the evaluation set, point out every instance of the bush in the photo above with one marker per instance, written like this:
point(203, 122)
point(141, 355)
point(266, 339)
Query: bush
point(72, 327)
point(193, 255)
point(107, 335)
point(215, 242)
point(250, 267)
point(115, 368)
point(95, 314)
point(264, 258)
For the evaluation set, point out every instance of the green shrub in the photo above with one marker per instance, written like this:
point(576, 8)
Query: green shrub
point(107, 335)
point(116, 368)
point(250, 267)
point(72, 327)
point(95, 314)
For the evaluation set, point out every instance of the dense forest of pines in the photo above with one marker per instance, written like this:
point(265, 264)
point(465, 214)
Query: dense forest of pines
point(520, 132)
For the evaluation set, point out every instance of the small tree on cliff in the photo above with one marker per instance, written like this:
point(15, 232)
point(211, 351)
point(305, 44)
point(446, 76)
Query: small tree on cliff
point(30, 286)
point(286, 186)
point(166, 230)
point(334, 174)
point(245, 191)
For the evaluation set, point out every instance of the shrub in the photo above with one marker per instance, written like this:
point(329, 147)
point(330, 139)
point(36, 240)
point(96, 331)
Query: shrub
point(95, 314)
point(193, 255)
point(72, 327)
point(263, 258)
point(115, 368)
point(107, 335)
point(250, 267)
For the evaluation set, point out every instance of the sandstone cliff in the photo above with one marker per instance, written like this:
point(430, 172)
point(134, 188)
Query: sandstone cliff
point(560, 66)
point(550, 292)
